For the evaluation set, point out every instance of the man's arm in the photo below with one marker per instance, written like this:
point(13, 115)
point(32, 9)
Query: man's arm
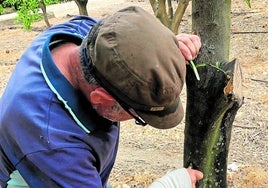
point(180, 178)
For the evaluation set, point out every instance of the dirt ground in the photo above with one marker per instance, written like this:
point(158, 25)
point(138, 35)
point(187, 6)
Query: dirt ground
point(146, 153)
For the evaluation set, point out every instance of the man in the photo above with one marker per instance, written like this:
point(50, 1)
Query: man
point(60, 111)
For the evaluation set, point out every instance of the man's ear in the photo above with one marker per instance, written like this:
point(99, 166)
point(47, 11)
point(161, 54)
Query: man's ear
point(100, 96)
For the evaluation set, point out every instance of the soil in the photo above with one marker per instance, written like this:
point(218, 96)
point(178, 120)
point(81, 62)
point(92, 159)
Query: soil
point(146, 153)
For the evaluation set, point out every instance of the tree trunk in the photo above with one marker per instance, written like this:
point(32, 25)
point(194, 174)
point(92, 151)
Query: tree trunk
point(82, 6)
point(213, 101)
point(44, 10)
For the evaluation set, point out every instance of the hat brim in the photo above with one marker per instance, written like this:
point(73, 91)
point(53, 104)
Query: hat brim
point(166, 119)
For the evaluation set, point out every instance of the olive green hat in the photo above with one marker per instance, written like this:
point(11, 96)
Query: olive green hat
point(137, 60)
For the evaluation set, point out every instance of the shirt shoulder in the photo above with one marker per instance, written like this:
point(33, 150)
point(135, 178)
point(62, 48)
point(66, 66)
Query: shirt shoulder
point(80, 25)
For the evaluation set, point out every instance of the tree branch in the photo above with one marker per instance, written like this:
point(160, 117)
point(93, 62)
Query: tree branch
point(178, 15)
point(159, 8)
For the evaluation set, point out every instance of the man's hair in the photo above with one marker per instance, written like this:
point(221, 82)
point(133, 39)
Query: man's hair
point(88, 42)
point(88, 76)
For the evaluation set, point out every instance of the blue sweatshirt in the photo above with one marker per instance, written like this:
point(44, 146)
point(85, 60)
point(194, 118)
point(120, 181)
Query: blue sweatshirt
point(48, 130)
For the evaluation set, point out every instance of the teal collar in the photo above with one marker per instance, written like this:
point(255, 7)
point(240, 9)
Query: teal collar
point(74, 101)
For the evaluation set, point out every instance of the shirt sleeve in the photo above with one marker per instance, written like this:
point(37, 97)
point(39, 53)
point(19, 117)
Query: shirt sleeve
point(175, 179)
point(65, 167)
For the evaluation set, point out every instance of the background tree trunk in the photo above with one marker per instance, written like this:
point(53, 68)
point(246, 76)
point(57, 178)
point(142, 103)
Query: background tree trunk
point(82, 6)
point(44, 10)
point(164, 12)
point(213, 101)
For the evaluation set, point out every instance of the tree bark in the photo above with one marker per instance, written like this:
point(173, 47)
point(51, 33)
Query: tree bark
point(44, 10)
point(211, 107)
point(82, 6)
point(213, 101)
point(211, 20)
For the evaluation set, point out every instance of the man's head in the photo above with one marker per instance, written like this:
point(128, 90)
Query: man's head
point(137, 60)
